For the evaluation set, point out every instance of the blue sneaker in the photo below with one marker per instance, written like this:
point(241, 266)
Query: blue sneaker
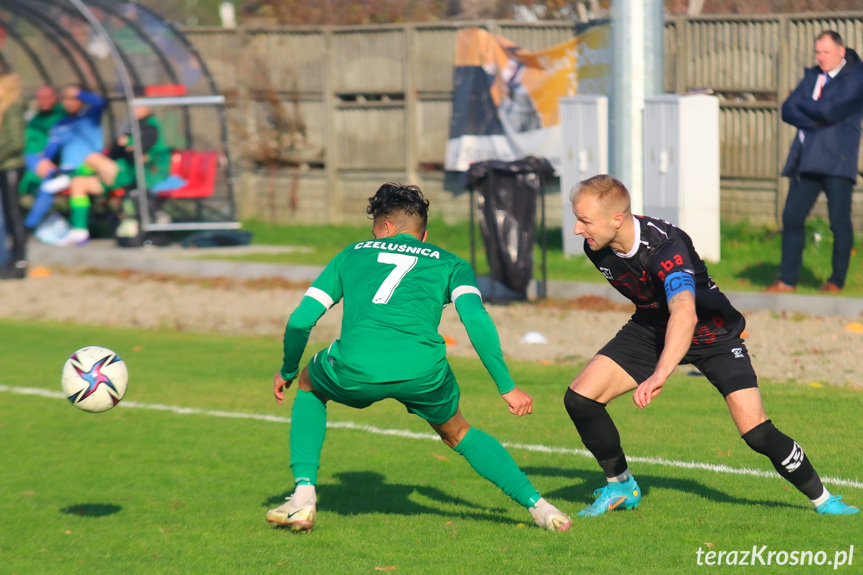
point(613, 496)
point(834, 506)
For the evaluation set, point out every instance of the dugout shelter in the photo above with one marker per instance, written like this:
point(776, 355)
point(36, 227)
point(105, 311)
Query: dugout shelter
point(130, 55)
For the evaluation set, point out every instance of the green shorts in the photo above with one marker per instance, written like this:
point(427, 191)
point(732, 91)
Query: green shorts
point(125, 175)
point(434, 398)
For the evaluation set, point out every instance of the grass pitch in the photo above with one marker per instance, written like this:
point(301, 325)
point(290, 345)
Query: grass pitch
point(750, 254)
point(178, 477)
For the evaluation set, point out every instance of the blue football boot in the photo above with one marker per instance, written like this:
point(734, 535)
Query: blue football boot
point(834, 506)
point(623, 495)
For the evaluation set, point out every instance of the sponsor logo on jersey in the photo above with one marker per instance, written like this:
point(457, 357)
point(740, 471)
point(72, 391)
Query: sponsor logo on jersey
point(607, 273)
point(403, 248)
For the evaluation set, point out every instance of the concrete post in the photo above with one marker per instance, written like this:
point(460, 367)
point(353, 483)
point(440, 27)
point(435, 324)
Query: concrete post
point(637, 31)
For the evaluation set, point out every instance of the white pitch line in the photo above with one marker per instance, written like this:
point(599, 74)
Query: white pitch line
point(661, 461)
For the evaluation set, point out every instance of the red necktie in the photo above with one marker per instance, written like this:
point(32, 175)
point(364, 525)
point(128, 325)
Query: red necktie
point(823, 80)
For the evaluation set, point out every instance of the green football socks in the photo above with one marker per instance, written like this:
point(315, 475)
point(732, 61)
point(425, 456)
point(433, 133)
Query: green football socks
point(489, 458)
point(85, 170)
point(308, 429)
point(79, 208)
point(483, 452)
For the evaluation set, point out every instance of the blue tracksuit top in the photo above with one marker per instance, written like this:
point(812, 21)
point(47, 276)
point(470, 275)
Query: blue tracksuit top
point(76, 137)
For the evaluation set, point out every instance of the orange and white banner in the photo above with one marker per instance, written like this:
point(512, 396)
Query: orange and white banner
point(505, 99)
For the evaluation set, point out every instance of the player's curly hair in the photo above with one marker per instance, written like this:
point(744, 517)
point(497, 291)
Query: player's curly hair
point(394, 198)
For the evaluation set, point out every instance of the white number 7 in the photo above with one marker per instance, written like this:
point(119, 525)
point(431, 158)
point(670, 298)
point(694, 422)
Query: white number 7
point(403, 264)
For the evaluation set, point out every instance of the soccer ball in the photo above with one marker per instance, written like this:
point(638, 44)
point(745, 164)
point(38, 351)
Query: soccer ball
point(94, 379)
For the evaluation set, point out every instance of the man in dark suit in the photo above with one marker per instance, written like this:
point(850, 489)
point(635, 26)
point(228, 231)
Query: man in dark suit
point(826, 108)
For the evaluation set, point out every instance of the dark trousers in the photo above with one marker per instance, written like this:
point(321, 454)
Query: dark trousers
point(802, 195)
point(12, 215)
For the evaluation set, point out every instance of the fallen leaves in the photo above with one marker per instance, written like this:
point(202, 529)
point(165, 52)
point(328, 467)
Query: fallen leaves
point(39, 272)
point(585, 302)
point(854, 327)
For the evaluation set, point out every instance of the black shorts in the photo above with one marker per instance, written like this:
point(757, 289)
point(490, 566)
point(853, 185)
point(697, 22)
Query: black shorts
point(726, 364)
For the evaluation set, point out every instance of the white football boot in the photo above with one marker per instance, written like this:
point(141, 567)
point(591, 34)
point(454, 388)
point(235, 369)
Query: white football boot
point(550, 517)
point(299, 511)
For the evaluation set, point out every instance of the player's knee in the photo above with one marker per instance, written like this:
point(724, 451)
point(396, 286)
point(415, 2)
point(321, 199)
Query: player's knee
point(766, 439)
point(451, 439)
point(452, 431)
point(581, 408)
point(787, 457)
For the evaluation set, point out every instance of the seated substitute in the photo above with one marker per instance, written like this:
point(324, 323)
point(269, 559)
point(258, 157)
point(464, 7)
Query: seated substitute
point(394, 289)
point(116, 169)
point(71, 140)
point(680, 317)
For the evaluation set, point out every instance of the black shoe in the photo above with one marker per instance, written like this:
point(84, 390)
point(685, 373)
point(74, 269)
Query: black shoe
point(13, 271)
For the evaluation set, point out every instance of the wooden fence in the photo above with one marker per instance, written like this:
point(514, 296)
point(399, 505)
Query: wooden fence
point(370, 104)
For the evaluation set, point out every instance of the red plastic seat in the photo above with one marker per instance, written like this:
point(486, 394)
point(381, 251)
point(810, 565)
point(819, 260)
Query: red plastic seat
point(198, 169)
point(165, 90)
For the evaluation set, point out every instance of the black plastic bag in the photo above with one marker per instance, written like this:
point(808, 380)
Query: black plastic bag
point(506, 208)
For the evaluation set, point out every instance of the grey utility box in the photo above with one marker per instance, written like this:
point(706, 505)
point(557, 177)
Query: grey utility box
point(681, 166)
point(584, 133)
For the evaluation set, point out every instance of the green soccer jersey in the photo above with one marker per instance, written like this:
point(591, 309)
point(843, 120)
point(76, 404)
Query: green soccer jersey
point(36, 134)
point(394, 292)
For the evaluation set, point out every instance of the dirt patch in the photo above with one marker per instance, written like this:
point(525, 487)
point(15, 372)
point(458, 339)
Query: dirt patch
point(806, 349)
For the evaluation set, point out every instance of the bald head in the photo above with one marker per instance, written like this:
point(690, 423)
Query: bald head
point(829, 50)
point(46, 98)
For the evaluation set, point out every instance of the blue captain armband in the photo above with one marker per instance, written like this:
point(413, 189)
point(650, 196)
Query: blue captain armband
point(679, 282)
